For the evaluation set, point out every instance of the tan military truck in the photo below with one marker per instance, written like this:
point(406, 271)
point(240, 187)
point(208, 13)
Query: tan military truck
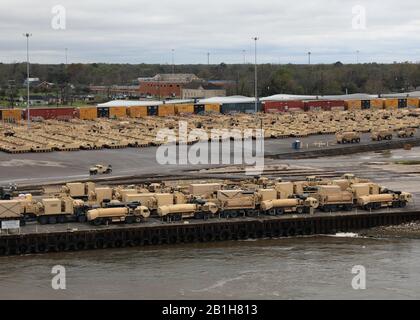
point(382, 134)
point(177, 212)
point(407, 133)
point(384, 200)
point(100, 169)
point(78, 190)
point(155, 200)
point(235, 203)
point(118, 214)
point(332, 198)
point(347, 137)
point(282, 206)
point(60, 210)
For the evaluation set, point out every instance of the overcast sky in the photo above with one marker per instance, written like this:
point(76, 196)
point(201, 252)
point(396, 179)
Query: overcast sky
point(137, 31)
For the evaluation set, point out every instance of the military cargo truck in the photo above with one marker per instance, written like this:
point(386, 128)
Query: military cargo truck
point(114, 215)
point(407, 133)
point(332, 198)
point(382, 134)
point(177, 212)
point(347, 137)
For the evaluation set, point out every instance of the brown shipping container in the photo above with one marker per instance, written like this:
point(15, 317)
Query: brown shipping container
point(50, 113)
point(353, 104)
point(283, 106)
point(184, 108)
point(166, 110)
point(377, 104)
point(413, 102)
point(391, 104)
point(212, 108)
point(137, 112)
point(117, 112)
point(11, 115)
point(87, 113)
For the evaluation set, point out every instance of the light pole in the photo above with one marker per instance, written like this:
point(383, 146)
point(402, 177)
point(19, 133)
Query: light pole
point(309, 57)
point(27, 35)
point(173, 61)
point(256, 75)
point(208, 58)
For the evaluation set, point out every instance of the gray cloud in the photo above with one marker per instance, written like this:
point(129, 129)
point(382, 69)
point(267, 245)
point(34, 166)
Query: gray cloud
point(129, 31)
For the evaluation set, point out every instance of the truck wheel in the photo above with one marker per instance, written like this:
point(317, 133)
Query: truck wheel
point(379, 139)
point(43, 220)
point(138, 219)
point(271, 212)
point(358, 140)
point(81, 219)
point(233, 214)
point(199, 215)
point(97, 222)
point(52, 220)
point(299, 210)
point(129, 220)
point(61, 219)
point(348, 207)
point(403, 204)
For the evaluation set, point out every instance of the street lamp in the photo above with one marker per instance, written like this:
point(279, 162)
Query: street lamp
point(256, 75)
point(309, 57)
point(27, 35)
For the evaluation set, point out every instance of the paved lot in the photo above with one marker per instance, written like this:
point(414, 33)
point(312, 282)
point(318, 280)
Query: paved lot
point(57, 166)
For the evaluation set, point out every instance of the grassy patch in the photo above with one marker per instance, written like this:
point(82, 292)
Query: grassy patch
point(408, 162)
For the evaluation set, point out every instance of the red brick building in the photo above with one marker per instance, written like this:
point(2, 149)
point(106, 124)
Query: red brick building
point(165, 85)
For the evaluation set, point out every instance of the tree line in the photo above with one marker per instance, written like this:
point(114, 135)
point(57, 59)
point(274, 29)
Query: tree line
point(318, 79)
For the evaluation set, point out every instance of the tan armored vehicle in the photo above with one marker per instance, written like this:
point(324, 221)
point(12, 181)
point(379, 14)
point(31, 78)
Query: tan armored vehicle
point(100, 169)
point(382, 134)
point(118, 214)
point(347, 137)
point(407, 133)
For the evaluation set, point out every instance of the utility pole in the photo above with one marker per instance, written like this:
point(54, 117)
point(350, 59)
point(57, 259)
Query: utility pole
point(256, 76)
point(309, 57)
point(27, 35)
point(208, 58)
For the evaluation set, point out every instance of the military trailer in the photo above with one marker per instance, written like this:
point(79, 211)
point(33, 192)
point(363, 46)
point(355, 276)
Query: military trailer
point(60, 210)
point(11, 210)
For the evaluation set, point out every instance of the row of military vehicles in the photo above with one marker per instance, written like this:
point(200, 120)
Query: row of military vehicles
point(86, 202)
point(347, 137)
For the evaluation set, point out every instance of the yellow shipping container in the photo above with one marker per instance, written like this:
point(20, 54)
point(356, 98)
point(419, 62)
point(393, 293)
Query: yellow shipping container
point(212, 108)
point(117, 112)
point(184, 108)
point(90, 113)
point(353, 104)
point(166, 110)
point(377, 104)
point(391, 104)
point(12, 115)
point(413, 102)
point(137, 112)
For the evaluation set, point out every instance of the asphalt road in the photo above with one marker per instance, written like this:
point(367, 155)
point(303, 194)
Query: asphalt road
point(31, 168)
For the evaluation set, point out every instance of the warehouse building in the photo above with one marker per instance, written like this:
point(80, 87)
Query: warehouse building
point(199, 90)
